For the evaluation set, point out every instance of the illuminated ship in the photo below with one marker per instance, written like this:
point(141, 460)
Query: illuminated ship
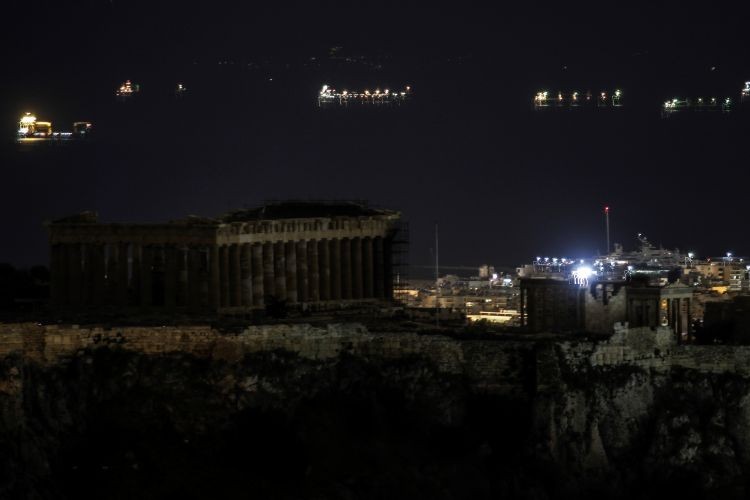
point(30, 129)
point(697, 104)
point(574, 99)
point(330, 96)
point(180, 90)
point(127, 90)
point(745, 95)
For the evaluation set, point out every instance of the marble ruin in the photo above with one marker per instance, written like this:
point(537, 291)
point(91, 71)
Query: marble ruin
point(304, 254)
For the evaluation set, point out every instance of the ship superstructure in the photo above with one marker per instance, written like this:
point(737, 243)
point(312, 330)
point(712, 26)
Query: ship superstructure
point(127, 90)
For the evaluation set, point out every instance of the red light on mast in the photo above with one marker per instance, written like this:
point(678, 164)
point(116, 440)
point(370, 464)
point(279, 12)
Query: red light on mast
point(606, 209)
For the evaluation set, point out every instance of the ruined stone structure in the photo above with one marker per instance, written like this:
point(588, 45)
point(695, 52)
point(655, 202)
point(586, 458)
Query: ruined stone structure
point(299, 253)
point(559, 305)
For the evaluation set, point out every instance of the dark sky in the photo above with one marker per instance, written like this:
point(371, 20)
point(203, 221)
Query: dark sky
point(504, 183)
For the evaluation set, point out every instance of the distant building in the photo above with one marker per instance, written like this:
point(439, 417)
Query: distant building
point(297, 253)
point(731, 273)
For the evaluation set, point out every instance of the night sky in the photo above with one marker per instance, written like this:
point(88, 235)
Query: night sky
point(505, 183)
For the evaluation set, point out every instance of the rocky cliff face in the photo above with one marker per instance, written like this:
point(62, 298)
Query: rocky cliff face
point(629, 432)
point(106, 421)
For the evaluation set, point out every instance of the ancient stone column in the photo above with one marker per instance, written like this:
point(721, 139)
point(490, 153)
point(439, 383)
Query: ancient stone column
point(64, 274)
point(97, 267)
point(194, 275)
point(279, 270)
point(214, 278)
point(224, 275)
point(235, 276)
point(58, 270)
point(346, 268)
point(123, 275)
point(324, 268)
point(313, 271)
point(86, 274)
point(379, 267)
point(147, 283)
point(182, 277)
point(246, 275)
point(303, 286)
point(171, 272)
point(76, 274)
point(269, 283)
point(135, 288)
point(368, 277)
point(110, 276)
point(257, 274)
point(335, 265)
point(290, 248)
point(388, 267)
point(357, 282)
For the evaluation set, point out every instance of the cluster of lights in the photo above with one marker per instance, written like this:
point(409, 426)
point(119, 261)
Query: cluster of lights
point(26, 125)
point(554, 261)
point(746, 90)
point(582, 273)
point(30, 128)
point(328, 94)
point(127, 89)
point(579, 271)
point(700, 103)
point(544, 99)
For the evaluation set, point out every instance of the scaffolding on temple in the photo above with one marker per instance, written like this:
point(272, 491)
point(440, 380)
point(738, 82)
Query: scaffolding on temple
point(400, 262)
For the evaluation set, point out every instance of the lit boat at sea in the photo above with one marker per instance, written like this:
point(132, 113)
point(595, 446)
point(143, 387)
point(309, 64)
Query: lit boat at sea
point(331, 96)
point(708, 104)
point(127, 90)
point(575, 99)
point(32, 130)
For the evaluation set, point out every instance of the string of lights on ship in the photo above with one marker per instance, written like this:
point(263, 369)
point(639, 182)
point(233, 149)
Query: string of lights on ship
point(615, 99)
point(31, 129)
point(543, 99)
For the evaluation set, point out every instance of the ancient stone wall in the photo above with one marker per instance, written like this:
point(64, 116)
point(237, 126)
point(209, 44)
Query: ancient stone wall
point(498, 366)
point(600, 316)
point(490, 366)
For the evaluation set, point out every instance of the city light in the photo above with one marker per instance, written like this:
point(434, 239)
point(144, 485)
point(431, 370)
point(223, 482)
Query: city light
point(582, 274)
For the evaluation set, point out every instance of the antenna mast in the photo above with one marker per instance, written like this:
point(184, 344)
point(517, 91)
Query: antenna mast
point(437, 280)
point(606, 217)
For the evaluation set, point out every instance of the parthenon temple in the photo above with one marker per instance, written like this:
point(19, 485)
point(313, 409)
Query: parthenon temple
point(301, 253)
